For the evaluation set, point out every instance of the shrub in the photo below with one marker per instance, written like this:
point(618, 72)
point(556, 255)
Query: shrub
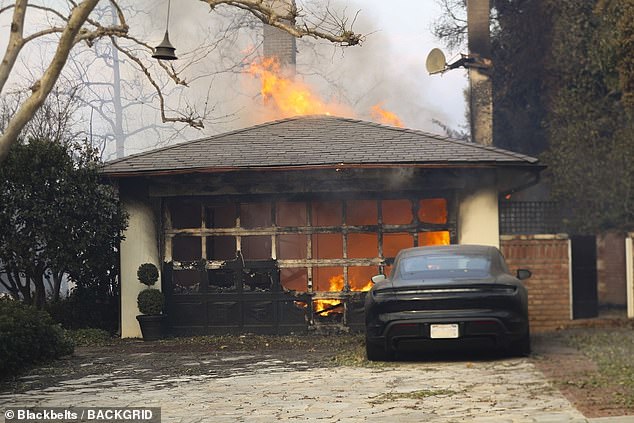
point(28, 336)
point(52, 202)
point(86, 309)
point(147, 274)
point(150, 301)
point(90, 337)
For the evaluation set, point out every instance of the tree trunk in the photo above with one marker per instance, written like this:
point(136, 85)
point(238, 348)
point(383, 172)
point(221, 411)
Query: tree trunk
point(40, 290)
point(481, 93)
point(24, 289)
point(119, 135)
point(11, 286)
point(478, 27)
point(57, 284)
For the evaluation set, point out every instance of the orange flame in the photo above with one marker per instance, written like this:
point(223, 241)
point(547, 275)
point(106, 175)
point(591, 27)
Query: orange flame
point(335, 284)
point(434, 238)
point(385, 116)
point(291, 98)
point(365, 287)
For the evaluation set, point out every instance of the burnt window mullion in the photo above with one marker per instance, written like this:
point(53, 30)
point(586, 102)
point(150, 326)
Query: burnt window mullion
point(379, 217)
point(203, 237)
point(167, 215)
point(274, 229)
point(344, 240)
point(309, 243)
point(415, 208)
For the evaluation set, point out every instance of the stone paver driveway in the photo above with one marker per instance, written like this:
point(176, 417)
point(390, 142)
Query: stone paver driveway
point(261, 388)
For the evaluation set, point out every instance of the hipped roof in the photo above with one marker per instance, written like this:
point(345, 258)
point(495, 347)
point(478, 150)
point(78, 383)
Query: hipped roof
point(314, 142)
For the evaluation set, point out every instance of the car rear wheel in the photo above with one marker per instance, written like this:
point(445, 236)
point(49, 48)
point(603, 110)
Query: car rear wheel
point(376, 352)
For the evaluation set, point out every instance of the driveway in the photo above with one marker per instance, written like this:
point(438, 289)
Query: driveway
point(229, 386)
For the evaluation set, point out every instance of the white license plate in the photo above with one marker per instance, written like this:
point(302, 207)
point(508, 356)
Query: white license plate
point(444, 331)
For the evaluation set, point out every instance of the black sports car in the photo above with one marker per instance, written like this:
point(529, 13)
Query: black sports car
point(442, 296)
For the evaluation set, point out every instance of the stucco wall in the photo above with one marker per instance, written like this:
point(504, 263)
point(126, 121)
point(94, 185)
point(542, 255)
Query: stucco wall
point(139, 246)
point(478, 220)
point(548, 258)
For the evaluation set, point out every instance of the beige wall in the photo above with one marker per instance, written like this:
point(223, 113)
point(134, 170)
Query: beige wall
point(478, 220)
point(139, 246)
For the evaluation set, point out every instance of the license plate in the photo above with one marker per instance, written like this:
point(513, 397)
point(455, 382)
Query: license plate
point(444, 331)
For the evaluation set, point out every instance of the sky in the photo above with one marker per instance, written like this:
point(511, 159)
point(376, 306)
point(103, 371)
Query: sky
point(387, 69)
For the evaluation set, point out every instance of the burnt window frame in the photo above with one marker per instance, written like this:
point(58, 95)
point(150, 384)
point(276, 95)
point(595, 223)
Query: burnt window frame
point(380, 229)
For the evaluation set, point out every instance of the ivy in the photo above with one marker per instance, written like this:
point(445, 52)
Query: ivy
point(591, 143)
point(563, 90)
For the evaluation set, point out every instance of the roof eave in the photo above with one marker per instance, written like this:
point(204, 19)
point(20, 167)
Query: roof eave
point(335, 166)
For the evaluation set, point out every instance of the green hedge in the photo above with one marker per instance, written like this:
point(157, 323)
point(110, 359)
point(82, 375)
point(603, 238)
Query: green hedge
point(85, 309)
point(90, 337)
point(28, 336)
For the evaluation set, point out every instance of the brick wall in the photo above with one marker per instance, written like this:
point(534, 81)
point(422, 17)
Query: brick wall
point(281, 45)
point(547, 257)
point(611, 269)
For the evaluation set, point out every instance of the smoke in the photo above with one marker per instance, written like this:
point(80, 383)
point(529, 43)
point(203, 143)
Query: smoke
point(401, 177)
point(387, 69)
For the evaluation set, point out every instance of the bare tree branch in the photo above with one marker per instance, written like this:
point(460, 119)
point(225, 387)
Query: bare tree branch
point(15, 43)
point(43, 87)
point(286, 21)
point(191, 120)
point(49, 10)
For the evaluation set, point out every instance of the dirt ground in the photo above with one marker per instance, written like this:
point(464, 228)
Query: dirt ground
point(592, 366)
point(578, 373)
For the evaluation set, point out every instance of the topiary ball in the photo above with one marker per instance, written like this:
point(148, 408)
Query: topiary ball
point(148, 274)
point(150, 301)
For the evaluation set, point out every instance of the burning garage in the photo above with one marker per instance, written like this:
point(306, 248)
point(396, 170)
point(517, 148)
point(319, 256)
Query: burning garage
point(278, 228)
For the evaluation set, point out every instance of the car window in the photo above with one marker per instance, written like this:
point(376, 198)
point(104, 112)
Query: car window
point(440, 265)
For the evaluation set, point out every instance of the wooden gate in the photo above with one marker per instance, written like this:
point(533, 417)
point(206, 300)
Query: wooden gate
point(585, 303)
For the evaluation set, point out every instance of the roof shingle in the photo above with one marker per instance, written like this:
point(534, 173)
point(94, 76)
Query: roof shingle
point(313, 141)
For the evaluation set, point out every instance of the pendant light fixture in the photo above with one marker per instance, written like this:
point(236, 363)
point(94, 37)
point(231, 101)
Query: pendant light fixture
point(165, 50)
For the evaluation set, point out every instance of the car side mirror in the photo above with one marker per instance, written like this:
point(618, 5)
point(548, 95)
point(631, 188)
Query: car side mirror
point(523, 274)
point(378, 278)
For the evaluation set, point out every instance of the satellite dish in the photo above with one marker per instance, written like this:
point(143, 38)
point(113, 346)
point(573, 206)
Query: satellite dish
point(436, 61)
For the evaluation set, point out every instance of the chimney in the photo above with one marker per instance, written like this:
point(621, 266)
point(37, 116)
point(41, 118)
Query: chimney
point(279, 43)
point(480, 86)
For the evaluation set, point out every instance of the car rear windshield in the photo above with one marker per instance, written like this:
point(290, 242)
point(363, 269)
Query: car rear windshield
point(443, 265)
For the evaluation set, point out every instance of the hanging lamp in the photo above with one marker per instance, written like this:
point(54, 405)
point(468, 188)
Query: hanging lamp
point(165, 50)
